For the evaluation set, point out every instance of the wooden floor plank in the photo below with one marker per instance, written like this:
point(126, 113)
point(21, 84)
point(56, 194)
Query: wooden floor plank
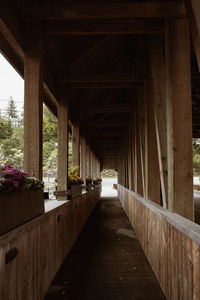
point(107, 262)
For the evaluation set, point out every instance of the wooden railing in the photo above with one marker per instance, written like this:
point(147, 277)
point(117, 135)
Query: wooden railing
point(31, 254)
point(170, 242)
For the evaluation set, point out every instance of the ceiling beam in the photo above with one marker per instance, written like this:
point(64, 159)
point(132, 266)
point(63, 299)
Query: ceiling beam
point(96, 135)
point(105, 10)
point(104, 27)
point(107, 109)
point(103, 80)
point(193, 11)
point(102, 77)
point(10, 27)
point(107, 84)
point(104, 124)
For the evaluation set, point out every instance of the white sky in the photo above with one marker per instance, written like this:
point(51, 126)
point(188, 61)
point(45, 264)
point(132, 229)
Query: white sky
point(11, 84)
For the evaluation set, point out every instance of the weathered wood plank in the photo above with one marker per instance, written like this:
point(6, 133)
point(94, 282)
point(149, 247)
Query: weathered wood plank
point(170, 242)
point(193, 12)
point(157, 67)
point(75, 145)
point(152, 180)
point(116, 10)
point(83, 157)
point(62, 147)
point(98, 27)
point(179, 119)
point(42, 245)
point(138, 166)
point(33, 101)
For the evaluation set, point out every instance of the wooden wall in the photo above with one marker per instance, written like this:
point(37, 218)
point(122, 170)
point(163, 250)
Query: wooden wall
point(42, 245)
point(156, 156)
point(170, 242)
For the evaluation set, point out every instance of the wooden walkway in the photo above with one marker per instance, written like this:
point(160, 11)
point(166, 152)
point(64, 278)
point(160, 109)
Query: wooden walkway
point(106, 263)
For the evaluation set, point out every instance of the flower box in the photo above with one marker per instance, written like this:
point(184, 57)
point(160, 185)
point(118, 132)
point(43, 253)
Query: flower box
point(76, 190)
point(88, 186)
point(19, 207)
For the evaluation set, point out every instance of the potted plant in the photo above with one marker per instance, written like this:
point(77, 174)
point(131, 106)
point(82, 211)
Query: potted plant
point(21, 198)
point(88, 183)
point(95, 182)
point(74, 182)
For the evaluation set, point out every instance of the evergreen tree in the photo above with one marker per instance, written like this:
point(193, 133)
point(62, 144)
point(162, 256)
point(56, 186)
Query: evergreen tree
point(11, 109)
point(6, 129)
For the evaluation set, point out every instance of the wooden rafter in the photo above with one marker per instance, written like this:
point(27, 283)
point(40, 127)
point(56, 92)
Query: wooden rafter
point(193, 11)
point(105, 11)
point(111, 109)
point(108, 84)
point(104, 124)
point(107, 27)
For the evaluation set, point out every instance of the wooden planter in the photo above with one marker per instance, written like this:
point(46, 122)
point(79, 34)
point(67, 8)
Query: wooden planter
point(76, 190)
point(88, 186)
point(19, 207)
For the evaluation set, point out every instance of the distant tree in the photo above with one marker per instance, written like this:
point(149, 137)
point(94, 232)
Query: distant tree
point(11, 109)
point(196, 156)
point(6, 129)
point(50, 126)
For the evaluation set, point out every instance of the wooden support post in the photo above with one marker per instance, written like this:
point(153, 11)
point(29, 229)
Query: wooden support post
point(88, 161)
point(122, 166)
point(151, 158)
point(33, 101)
point(138, 167)
point(95, 167)
point(132, 153)
point(193, 12)
point(62, 147)
point(83, 158)
point(91, 164)
point(179, 119)
point(141, 125)
point(130, 158)
point(158, 74)
point(75, 145)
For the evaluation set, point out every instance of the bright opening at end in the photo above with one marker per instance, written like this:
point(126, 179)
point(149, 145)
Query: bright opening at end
point(109, 179)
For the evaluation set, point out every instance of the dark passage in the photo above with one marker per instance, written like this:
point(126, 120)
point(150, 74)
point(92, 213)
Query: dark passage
point(107, 262)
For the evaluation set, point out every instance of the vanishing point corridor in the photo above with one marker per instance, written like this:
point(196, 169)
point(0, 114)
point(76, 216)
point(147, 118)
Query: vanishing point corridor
point(106, 262)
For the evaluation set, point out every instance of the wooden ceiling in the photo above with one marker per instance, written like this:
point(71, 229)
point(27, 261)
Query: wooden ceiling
point(96, 57)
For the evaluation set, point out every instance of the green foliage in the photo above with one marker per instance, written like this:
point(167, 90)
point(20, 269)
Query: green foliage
point(196, 156)
point(109, 173)
point(12, 143)
point(73, 171)
point(48, 148)
point(51, 164)
point(6, 129)
point(34, 184)
point(50, 125)
point(11, 109)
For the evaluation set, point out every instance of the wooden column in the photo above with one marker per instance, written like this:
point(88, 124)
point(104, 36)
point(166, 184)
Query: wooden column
point(83, 158)
point(33, 101)
point(141, 126)
point(95, 167)
point(75, 145)
point(62, 147)
point(158, 74)
point(179, 119)
point(130, 159)
point(138, 167)
point(132, 153)
point(91, 163)
point(151, 158)
point(88, 160)
point(193, 12)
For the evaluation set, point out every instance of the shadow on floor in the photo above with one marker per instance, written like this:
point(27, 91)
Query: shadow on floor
point(106, 262)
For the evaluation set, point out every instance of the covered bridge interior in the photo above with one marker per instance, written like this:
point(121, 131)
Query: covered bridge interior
point(124, 75)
